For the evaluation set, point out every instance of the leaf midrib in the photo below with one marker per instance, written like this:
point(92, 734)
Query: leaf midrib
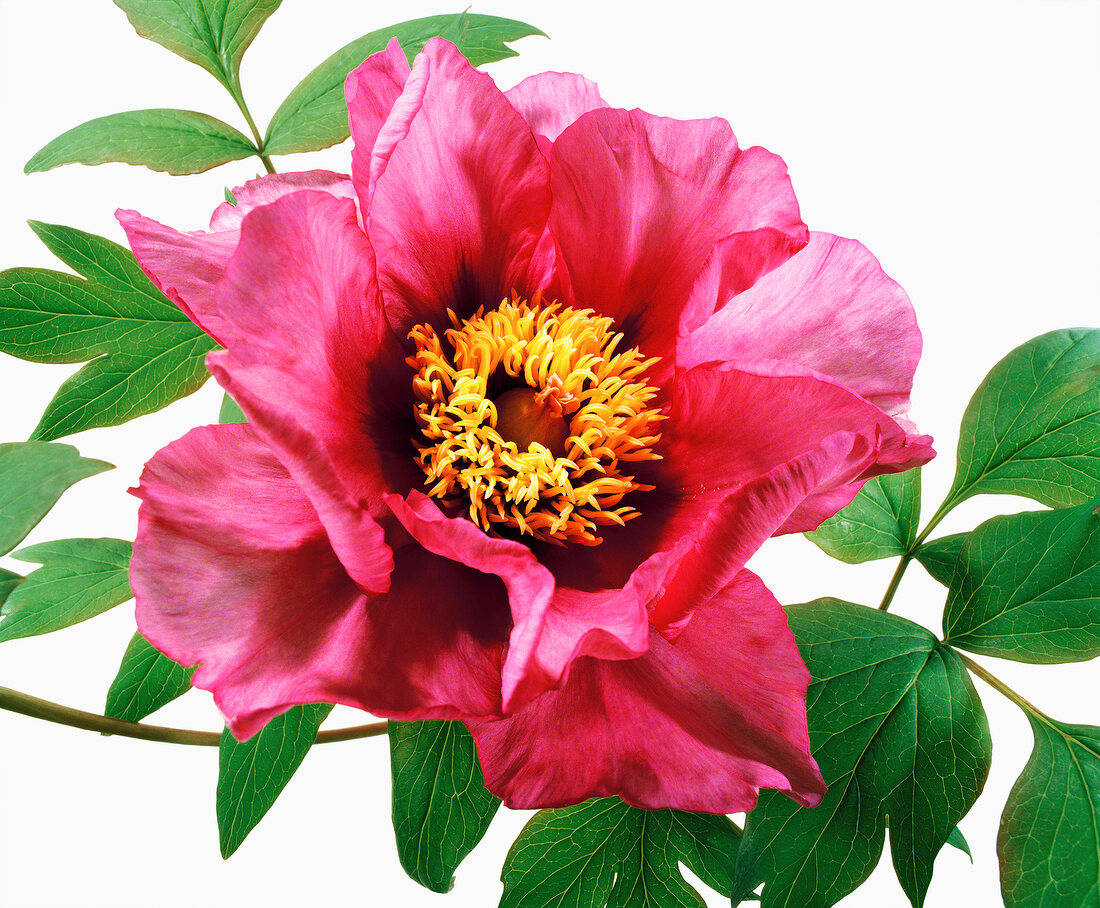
point(586, 859)
point(850, 777)
point(1018, 585)
point(984, 471)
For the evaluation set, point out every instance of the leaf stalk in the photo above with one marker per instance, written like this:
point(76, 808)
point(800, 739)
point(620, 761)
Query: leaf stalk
point(998, 685)
point(37, 708)
point(238, 97)
point(899, 572)
point(895, 581)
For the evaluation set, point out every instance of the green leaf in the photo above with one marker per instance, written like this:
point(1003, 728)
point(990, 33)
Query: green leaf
point(568, 856)
point(1027, 587)
point(146, 680)
point(114, 389)
point(79, 578)
point(881, 521)
point(33, 475)
point(147, 352)
point(605, 852)
point(212, 33)
point(8, 582)
point(956, 840)
point(441, 808)
point(230, 411)
point(253, 773)
point(939, 556)
point(901, 739)
point(1033, 426)
point(315, 114)
point(1049, 840)
point(707, 844)
point(172, 141)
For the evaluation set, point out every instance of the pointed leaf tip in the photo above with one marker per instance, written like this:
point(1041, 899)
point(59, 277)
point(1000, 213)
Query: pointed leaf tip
point(214, 36)
point(171, 141)
point(141, 351)
point(253, 773)
point(33, 476)
point(1033, 426)
point(441, 808)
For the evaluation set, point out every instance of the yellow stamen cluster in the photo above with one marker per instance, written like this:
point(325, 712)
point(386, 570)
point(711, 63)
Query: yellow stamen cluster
point(567, 356)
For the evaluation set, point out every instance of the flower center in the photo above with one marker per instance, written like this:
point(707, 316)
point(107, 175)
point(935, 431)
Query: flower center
point(529, 419)
point(525, 416)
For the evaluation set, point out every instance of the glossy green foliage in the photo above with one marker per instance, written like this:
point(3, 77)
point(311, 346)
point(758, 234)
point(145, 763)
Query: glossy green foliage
point(939, 556)
point(441, 808)
point(144, 352)
point(33, 475)
point(212, 33)
point(9, 580)
point(146, 680)
point(881, 520)
point(172, 141)
point(902, 741)
point(1033, 426)
point(1027, 587)
point(253, 773)
point(1049, 840)
point(606, 853)
point(956, 840)
point(79, 579)
point(315, 114)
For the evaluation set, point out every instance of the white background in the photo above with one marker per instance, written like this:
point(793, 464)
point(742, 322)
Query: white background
point(957, 140)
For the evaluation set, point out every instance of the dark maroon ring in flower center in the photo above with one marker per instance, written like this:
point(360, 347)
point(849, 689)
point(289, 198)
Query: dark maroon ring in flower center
point(529, 420)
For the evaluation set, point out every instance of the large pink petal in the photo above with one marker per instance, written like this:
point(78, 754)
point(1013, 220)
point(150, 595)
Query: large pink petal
point(830, 308)
point(436, 642)
point(530, 586)
point(702, 725)
point(551, 627)
point(776, 409)
point(782, 441)
point(457, 196)
point(728, 427)
point(550, 102)
point(639, 203)
point(314, 359)
point(735, 527)
point(371, 90)
point(187, 266)
point(765, 418)
point(606, 624)
point(232, 570)
point(184, 266)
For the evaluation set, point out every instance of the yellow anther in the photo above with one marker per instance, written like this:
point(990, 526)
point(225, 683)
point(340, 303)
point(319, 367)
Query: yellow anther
point(559, 485)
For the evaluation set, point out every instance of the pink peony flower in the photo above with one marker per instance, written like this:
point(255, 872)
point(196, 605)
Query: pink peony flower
point(524, 395)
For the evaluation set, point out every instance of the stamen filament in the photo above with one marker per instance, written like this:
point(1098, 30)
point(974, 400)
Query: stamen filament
point(568, 358)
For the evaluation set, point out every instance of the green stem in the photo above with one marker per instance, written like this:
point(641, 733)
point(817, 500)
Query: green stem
point(895, 581)
point(998, 685)
point(943, 511)
point(36, 708)
point(239, 98)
